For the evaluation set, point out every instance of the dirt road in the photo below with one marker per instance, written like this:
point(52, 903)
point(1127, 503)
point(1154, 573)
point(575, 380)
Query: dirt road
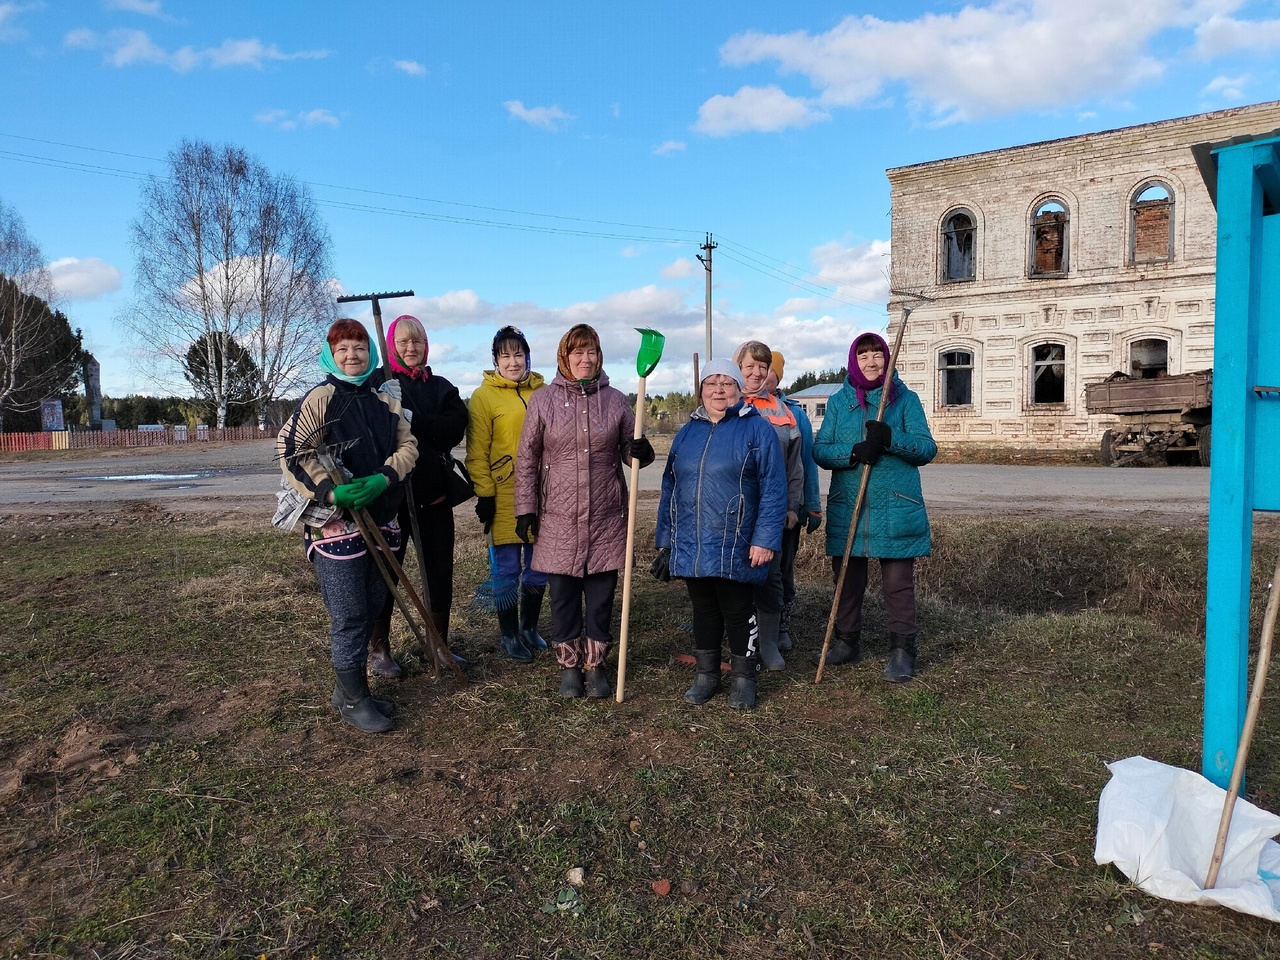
point(243, 478)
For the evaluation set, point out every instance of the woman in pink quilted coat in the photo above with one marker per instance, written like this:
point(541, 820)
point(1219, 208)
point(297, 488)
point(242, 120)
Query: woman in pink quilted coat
point(571, 502)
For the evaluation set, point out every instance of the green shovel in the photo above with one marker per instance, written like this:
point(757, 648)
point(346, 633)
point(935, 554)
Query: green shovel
point(651, 343)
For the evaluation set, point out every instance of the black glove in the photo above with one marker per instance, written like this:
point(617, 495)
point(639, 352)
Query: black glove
point(880, 432)
point(486, 510)
point(642, 452)
point(868, 452)
point(661, 567)
point(526, 524)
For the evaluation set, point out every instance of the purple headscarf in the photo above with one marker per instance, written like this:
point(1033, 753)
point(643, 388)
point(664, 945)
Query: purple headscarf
point(861, 385)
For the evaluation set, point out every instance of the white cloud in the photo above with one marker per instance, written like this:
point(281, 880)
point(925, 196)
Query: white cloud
point(412, 67)
point(1006, 56)
point(284, 120)
point(127, 47)
point(548, 118)
point(630, 251)
point(148, 8)
point(9, 13)
point(1221, 35)
point(86, 279)
point(684, 267)
point(859, 272)
point(668, 147)
point(756, 109)
point(1230, 89)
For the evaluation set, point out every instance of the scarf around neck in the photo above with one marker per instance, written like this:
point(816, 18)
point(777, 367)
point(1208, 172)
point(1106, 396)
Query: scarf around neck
point(330, 366)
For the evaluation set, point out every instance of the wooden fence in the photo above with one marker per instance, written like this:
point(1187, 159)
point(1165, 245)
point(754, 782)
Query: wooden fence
point(89, 439)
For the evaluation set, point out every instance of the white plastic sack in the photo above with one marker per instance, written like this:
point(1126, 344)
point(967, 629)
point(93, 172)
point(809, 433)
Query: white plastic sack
point(1158, 825)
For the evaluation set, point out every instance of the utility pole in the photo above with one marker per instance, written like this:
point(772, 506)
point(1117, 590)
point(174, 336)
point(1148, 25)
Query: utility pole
point(708, 246)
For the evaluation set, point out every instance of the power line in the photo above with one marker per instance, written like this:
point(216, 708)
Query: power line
point(825, 292)
point(800, 276)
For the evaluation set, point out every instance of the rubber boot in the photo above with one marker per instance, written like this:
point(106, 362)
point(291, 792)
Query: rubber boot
point(770, 657)
point(742, 682)
point(784, 628)
point(845, 648)
point(441, 619)
point(356, 707)
point(384, 707)
point(598, 686)
point(706, 678)
point(530, 610)
point(512, 645)
point(381, 663)
point(902, 658)
point(569, 659)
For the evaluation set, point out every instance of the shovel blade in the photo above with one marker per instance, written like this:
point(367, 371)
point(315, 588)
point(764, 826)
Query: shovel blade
point(651, 343)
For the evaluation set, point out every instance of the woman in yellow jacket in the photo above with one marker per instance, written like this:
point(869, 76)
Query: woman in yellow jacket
point(495, 415)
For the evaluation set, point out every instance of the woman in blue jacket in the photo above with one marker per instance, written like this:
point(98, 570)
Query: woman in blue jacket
point(720, 522)
point(893, 525)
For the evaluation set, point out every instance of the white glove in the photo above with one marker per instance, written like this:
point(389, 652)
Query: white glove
point(392, 389)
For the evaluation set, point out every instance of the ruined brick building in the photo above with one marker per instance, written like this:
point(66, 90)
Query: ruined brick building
point(1052, 265)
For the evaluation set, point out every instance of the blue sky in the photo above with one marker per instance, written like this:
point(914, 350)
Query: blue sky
point(548, 163)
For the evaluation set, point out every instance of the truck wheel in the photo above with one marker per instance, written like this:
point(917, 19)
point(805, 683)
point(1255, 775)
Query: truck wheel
point(1203, 436)
point(1105, 455)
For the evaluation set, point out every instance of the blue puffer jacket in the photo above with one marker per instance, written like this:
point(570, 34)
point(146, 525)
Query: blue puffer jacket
point(724, 491)
point(893, 523)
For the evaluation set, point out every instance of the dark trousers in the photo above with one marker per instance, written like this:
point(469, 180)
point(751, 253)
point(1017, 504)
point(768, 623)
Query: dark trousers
point(435, 521)
point(569, 595)
point(898, 582)
point(723, 606)
point(790, 547)
point(353, 591)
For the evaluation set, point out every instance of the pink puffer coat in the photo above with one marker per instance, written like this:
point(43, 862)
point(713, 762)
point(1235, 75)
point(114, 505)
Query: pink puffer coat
point(573, 446)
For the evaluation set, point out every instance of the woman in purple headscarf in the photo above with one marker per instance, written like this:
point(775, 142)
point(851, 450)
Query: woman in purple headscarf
point(893, 525)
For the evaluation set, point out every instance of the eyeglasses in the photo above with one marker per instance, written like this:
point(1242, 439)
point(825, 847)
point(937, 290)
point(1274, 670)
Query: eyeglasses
point(722, 384)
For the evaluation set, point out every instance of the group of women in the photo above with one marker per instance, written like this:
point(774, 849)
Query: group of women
point(547, 462)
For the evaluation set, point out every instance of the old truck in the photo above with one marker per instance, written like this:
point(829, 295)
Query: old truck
point(1164, 417)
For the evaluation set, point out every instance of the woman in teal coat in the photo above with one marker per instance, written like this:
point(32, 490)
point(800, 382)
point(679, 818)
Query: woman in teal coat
point(893, 525)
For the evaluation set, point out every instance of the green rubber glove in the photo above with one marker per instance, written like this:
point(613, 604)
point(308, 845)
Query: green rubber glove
point(371, 488)
point(345, 494)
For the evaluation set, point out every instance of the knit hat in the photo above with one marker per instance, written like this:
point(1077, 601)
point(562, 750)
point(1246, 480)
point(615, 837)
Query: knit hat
point(860, 383)
point(723, 368)
point(579, 335)
point(393, 355)
point(777, 364)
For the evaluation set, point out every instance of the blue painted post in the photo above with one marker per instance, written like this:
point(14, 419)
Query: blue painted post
point(1244, 475)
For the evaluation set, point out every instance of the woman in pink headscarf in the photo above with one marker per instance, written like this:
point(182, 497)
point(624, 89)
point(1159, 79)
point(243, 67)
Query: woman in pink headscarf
point(438, 418)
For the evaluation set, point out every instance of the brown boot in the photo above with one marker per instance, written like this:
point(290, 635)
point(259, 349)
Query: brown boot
point(441, 619)
point(380, 661)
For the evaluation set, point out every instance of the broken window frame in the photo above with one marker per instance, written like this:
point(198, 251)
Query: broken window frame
point(1061, 225)
point(1055, 355)
point(958, 263)
point(1136, 203)
point(952, 368)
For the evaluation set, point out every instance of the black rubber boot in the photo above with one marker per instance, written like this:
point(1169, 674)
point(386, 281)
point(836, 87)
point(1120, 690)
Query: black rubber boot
point(569, 659)
point(706, 679)
point(356, 707)
point(512, 645)
point(384, 707)
point(742, 682)
point(845, 648)
point(595, 653)
point(530, 610)
point(784, 628)
point(902, 658)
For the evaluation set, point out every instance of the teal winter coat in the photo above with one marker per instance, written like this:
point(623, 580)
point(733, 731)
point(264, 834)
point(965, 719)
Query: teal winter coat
point(893, 524)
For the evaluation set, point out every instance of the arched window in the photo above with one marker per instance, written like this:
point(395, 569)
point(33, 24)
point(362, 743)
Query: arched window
point(958, 234)
point(1149, 359)
point(1151, 224)
point(1049, 373)
point(1049, 239)
point(955, 378)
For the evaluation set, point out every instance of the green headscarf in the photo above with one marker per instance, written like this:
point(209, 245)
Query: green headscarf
point(330, 366)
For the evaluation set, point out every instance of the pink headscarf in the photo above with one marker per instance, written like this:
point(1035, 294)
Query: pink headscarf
point(397, 366)
point(861, 385)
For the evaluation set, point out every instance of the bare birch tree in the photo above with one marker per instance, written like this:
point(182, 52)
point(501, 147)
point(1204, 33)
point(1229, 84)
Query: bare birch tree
point(228, 251)
point(39, 357)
